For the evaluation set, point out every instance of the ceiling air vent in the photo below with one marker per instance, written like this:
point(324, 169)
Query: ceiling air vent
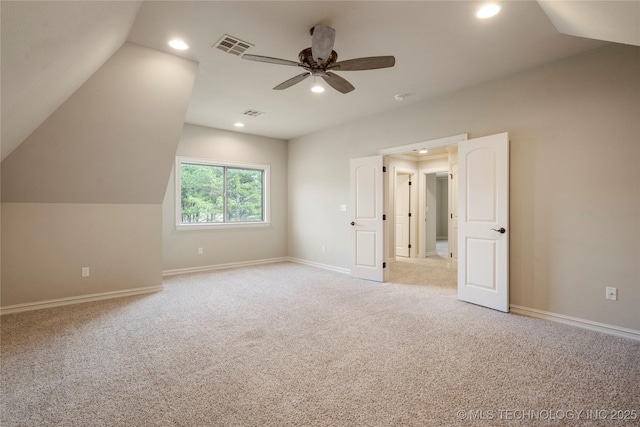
point(253, 113)
point(232, 45)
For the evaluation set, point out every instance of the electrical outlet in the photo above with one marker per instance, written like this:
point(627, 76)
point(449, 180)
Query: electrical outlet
point(200, 251)
point(85, 271)
point(612, 294)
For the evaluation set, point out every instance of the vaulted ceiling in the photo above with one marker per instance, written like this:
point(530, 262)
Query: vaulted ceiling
point(50, 48)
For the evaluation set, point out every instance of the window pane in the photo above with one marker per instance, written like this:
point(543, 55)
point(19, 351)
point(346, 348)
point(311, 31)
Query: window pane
point(244, 195)
point(202, 195)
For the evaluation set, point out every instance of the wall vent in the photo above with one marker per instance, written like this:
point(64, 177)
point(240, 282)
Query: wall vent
point(232, 45)
point(253, 113)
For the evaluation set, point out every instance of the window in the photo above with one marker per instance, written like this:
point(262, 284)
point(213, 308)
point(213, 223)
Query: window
point(213, 194)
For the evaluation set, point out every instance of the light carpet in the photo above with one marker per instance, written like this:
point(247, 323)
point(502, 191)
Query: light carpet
point(291, 345)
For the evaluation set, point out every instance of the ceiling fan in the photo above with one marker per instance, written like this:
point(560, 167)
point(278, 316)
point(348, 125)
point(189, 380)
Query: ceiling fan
point(321, 60)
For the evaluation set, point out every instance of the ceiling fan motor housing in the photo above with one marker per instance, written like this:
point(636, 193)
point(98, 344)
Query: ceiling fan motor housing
point(306, 57)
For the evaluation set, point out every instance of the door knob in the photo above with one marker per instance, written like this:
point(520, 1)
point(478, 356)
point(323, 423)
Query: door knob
point(500, 230)
point(353, 223)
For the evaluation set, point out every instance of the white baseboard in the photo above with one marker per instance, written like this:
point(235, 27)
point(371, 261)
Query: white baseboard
point(137, 291)
point(319, 265)
point(16, 308)
point(255, 262)
point(222, 266)
point(582, 323)
point(432, 253)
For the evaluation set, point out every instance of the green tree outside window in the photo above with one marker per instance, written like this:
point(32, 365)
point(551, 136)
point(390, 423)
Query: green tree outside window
point(204, 200)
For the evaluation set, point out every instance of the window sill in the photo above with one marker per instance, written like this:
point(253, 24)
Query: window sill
point(222, 226)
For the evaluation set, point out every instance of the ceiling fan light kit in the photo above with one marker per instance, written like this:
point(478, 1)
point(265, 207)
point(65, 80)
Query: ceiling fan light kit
point(320, 60)
point(317, 87)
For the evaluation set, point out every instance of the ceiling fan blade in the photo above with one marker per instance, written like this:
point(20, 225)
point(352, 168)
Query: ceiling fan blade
point(338, 83)
point(322, 41)
point(270, 60)
point(292, 81)
point(369, 63)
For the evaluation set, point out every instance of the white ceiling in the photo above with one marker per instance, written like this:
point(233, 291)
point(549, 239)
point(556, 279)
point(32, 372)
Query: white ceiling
point(50, 48)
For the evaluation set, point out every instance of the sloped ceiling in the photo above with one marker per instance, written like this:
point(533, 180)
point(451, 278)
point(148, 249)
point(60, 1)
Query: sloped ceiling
point(113, 141)
point(50, 48)
point(614, 21)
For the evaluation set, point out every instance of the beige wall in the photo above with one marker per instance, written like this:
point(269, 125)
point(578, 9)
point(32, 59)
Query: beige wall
point(45, 246)
point(437, 164)
point(574, 133)
point(224, 246)
point(86, 188)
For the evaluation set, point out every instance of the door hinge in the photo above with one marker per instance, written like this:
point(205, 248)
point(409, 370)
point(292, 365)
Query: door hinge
point(384, 265)
point(409, 246)
point(451, 216)
point(409, 214)
point(409, 182)
point(451, 176)
point(384, 169)
point(451, 255)
point(384, 217)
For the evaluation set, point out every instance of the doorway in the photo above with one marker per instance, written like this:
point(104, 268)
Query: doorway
point(442, 214)
point(436, 213)
point(430, 246)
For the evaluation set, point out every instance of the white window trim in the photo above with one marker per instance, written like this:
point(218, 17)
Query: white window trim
point(222, 225)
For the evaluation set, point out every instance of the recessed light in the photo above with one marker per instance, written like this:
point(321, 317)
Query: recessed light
point(423, 151)
point(178, 44)
point(239, 125)
point(487, 11)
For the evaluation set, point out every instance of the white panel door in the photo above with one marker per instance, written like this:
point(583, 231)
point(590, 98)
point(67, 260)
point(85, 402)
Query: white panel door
point(367, 254)
point(402, 214)
point(483, 223)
